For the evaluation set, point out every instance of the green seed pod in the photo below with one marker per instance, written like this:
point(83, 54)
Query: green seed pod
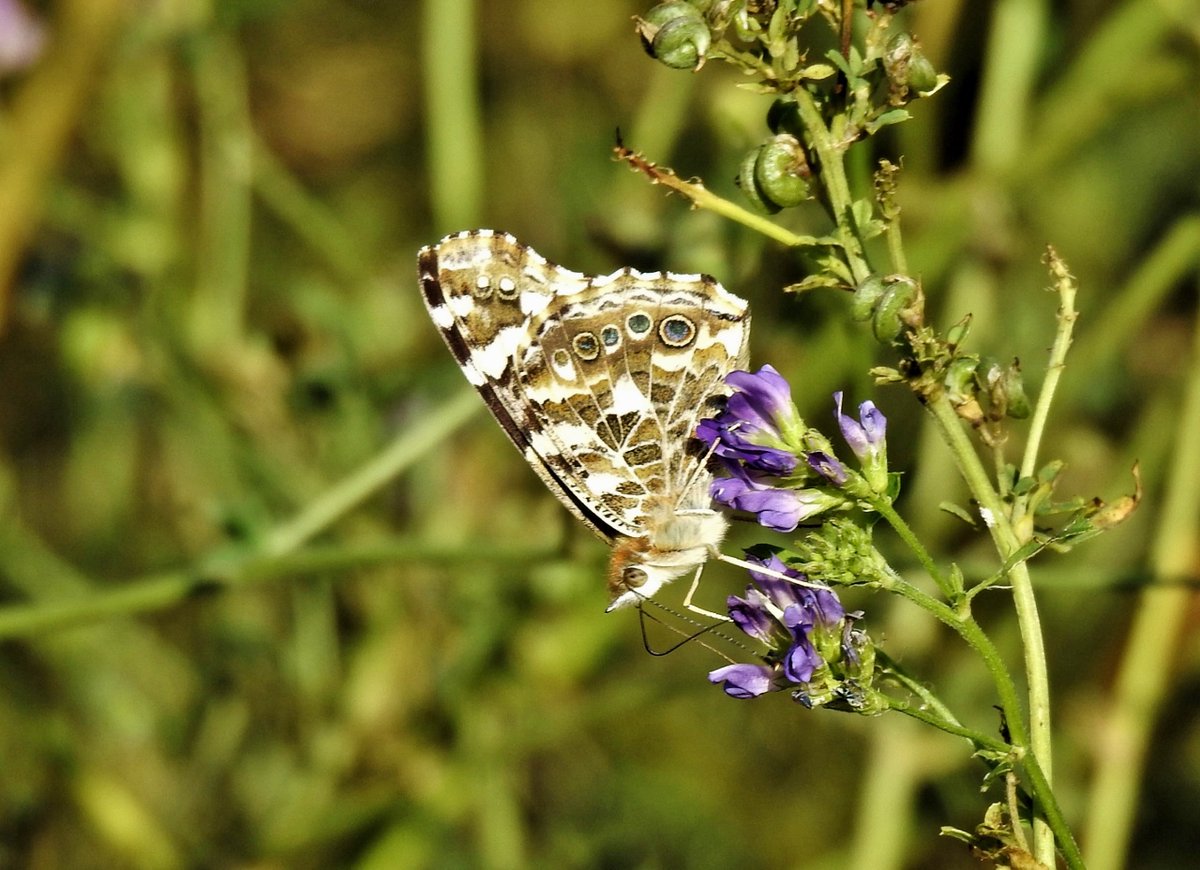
point(960, 379)
point(784, 117)
point(906, 65)
point(896, 57)
point(892, 314)
point(682, 43)
point(958, 333)
point(1011, 389)
point(866, 295)
point(664, 13)
point(781, 171)
point(922, 77)
point(745, 180)
point(675, 34)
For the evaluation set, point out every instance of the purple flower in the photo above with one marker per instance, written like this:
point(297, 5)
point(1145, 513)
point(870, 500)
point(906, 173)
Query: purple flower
point(865, 436)
point(744, 681)
point(785, 617)
point(757, 423)
point(773, 507)
point(752, 615)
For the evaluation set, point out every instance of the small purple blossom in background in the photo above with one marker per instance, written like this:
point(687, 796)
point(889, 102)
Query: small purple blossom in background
point(757, 424)
point(21, 37)
point(774, 507)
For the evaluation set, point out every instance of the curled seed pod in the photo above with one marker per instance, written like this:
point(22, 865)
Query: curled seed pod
point(958, 333)
point(675, 34)
point(745, 180)
point(664, 13)
point(784, 117)
point(1010, 389)
point(906, 65)
point(900, 301)
point(682, 43)
point(866, 295)
point(960, 379)
point(781, 171)
point(896, 57)
point(922, 77)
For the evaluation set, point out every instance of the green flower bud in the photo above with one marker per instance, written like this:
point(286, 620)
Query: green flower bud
point(675, 34)
point(781, 171)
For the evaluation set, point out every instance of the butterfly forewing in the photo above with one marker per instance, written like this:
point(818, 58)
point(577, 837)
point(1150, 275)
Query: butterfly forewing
point(599, 381)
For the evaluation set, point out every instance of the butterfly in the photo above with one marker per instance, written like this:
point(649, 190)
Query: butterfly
point(599, 381)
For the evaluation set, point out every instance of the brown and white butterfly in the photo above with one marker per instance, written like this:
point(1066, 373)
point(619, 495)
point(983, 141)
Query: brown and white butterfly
point(599, 382)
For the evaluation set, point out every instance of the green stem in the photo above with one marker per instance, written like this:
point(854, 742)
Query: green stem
point(1067, 315)
point(885, 509)
point(928, 698)
point(977, 738)
point(895, 243)
point(833, 176)
point(1046, 803)
point(992, 509)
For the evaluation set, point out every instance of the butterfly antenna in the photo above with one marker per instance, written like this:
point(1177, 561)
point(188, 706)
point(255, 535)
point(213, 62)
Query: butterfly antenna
point(644, 614)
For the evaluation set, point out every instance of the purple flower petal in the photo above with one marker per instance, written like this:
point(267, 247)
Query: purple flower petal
point(864, 436)
point(743, 681)
point(801, 661)
point(873, 422)
point(750, 428)
point(828, 467)
point(751, 615)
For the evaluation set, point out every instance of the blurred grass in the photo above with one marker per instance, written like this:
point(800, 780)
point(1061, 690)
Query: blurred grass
point(208, 216)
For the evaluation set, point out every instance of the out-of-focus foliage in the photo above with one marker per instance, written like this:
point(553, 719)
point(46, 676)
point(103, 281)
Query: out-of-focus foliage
point(208, 218)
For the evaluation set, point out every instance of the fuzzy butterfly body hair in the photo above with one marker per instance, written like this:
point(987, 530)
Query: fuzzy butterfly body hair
point(599, 381)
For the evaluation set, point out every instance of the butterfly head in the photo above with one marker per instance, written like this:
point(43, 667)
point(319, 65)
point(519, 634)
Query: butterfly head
point(678, 541)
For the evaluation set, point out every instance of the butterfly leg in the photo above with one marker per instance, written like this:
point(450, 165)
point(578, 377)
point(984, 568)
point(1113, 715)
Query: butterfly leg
point(687, 601)
point(759, 569)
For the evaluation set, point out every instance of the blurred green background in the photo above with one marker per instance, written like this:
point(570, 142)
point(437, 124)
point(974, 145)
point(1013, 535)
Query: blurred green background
point(210, 325)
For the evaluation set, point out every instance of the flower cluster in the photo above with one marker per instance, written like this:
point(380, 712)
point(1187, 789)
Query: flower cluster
point(778, 468)
point(811, 644)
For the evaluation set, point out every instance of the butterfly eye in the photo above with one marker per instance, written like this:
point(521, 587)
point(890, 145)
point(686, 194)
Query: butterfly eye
point(638, 324)
point(633, 577)
point(611, 336)
point(677, 331)
point(586, 346)
point(508, 288)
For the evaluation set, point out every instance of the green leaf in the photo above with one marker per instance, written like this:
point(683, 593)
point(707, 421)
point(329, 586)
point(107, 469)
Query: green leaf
point(958, 511)
point(895, 116)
